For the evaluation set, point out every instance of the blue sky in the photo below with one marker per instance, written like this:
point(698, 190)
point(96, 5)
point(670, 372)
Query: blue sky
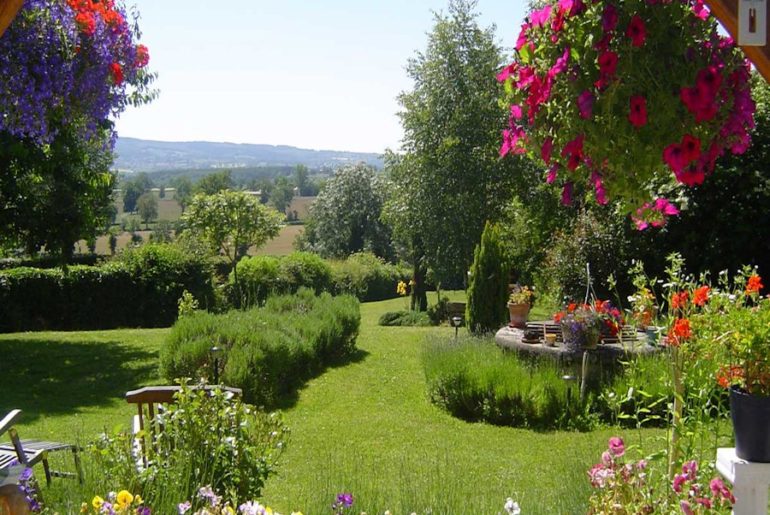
point(322, 75)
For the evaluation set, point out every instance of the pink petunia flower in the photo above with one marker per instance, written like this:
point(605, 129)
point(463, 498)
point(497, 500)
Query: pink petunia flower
point(546, 150)
point(636, 31)
point(609, 18)
point(637, 114)
point(585, 103)
point(616, 446)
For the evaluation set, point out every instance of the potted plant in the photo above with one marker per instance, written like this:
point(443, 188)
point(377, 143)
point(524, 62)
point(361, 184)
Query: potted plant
point(520, 301)
point(746, 371)
point(581, 326)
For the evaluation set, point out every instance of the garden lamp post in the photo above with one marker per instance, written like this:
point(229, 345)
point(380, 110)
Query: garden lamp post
point(457, 321)
point(215, 353)
point(569, 379)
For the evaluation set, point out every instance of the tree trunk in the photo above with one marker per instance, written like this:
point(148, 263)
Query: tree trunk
point(419, 295)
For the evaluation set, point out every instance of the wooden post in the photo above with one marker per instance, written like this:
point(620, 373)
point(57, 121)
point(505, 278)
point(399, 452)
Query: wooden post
point(8, 10)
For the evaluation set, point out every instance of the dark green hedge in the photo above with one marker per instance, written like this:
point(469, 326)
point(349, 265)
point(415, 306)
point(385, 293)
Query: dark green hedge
point(364, 276)
point(141, 289)
point(268, 351)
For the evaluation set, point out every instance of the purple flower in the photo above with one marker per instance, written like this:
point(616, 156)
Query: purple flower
point(585, 104)
point(617, 447)
point(345, 499)
point(183, 507)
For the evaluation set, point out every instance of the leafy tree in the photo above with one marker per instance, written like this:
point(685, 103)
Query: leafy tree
point(345, 218)
point(450, 180)
point(282, 194)
point(231, 220)
point(214, 183)
point(183, 187)
point(133, 189)
point(52, 196)
point(488, 285)
point(147, 205)
point(301, 180)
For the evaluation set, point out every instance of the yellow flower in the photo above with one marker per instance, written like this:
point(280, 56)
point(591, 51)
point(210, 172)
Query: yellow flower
point(125, 498)
point(84, 507)
point(401, 288)
point(97, 502)
point(138, 499)
point(268, 510)
point(229, 510)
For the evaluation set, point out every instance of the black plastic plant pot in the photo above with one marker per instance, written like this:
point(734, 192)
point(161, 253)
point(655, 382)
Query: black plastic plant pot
point(751, 424)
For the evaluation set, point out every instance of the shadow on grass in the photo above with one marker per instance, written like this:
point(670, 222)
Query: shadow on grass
point(45, 377)
point(289, 399)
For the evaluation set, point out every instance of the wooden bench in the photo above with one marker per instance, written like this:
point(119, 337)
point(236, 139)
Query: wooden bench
point(150, 402)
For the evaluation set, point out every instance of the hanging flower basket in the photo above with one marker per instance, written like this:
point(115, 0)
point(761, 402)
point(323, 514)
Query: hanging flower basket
point(629, 99)
point(70, 62)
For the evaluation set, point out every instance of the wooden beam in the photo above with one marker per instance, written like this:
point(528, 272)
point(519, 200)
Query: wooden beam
point(8, 10)
point(726, 11)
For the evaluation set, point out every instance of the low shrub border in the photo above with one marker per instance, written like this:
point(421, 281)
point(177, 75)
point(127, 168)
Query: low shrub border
point(267, 351)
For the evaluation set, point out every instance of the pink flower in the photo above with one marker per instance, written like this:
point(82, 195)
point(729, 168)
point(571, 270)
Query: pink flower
point(666, 208)
point(638, 113)
point(690, 469)
point(700, 10)
point(636, 31)
point(540, 18)
point(511, 139)
point(601, 195)
point(526, 77)
point(572, 7)
point(654, 214)
point(708, 82)
point(585, 104)
point(617, 447)
point(573, 149)
point(561, 64)
point(609, 18)
point(522, 39)
point(608, 63)
point(508, 71)
point(566, 194)
point(678, 483)
point(685, 507)
point(551, 177)
point(546, 150)
point(690, 147)
point(674, 157)
point(516, 112)
point(720, 490)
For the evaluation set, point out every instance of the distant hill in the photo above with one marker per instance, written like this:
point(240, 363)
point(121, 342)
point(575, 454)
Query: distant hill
point(148, 156)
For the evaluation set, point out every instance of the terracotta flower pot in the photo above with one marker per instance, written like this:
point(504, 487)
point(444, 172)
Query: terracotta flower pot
point(519, 314)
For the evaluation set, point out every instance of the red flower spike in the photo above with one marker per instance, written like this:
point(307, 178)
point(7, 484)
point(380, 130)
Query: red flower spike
point(701, 296)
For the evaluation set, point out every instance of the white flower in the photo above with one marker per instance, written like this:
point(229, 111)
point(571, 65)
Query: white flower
point(512, 507)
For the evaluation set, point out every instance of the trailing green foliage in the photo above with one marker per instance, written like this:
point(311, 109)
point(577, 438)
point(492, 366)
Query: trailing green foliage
point(363, 275)
point(267, 351)
point(209, 438)
point(488, 284)
point(140, 289)
point(406, 318)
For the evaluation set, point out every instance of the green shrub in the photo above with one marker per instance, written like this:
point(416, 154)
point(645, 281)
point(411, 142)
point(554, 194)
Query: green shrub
point(367, 277)
point(141, 289)
point(488, 285)
point(258, 277)
point(267, 351)
point(363, 275)
point(477, 381)
point(306, 270)
point(405, 319)
point(235, 463)
point(439, 312)
point(598, 242)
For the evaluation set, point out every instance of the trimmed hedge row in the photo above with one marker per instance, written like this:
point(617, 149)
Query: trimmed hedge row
point(267, 351)
point(141, 289)
point(365, 276)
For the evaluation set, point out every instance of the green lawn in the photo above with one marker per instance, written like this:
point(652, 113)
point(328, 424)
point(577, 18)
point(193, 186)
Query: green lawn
point(366, 427)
